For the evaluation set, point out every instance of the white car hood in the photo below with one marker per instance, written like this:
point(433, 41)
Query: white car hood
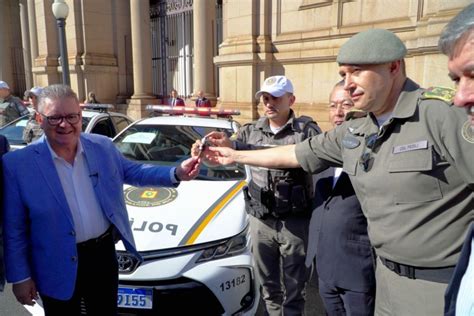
point(195, 212)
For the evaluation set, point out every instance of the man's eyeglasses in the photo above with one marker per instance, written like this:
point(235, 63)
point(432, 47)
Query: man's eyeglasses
point(54, 120)
point(366, 159)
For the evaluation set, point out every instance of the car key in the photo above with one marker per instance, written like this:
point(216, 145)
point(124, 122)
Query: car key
point(202, 146)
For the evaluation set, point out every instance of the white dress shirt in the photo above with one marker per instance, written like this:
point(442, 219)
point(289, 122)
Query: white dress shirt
point(76, 181)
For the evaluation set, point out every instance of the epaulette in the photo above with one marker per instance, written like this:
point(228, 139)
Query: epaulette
point(354, 113)
point(440, 93)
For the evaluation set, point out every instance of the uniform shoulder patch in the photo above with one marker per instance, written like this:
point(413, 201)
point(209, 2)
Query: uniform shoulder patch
point(354, 113)
point(440, 93)
point(468, 132)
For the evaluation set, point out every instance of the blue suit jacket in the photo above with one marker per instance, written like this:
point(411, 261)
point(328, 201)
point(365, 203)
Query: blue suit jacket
point(38, 226)
point(461, 267)
point(4, 147)
point(338, 236)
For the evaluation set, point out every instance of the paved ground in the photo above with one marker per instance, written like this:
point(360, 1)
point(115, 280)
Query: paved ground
point(9, 306)
point(314, 305)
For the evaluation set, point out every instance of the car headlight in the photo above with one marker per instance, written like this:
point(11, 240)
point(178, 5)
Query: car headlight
point(228, 248)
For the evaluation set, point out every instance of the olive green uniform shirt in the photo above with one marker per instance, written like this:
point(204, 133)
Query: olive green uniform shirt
point(32, 130)
point(417, 191)
point(11, 108)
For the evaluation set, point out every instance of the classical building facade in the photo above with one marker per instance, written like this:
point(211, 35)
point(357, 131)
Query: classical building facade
point(132, 52)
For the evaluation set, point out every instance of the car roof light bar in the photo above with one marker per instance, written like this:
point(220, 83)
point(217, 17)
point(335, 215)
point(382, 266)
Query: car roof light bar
point(186, 110)
point(97, 106)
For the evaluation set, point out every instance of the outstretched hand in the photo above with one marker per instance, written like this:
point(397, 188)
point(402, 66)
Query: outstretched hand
point(188, 169)
point(217, 139)
point(219, 155)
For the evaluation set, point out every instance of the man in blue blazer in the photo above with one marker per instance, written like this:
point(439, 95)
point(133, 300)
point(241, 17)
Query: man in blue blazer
point(64, 211)
point(4, 148)
point(338, 235)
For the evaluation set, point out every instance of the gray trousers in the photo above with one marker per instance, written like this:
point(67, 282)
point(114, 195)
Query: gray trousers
point(399, 296)
point(279, 249)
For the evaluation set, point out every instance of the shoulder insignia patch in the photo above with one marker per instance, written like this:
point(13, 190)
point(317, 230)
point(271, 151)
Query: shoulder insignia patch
point(467, 132)
point(354, 113)
point(440, 93)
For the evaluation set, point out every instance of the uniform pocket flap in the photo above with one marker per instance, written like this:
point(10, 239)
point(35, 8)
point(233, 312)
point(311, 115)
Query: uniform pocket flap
point(350, 167)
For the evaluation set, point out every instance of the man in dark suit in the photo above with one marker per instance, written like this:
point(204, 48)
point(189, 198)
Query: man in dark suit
point(61, 225)
point(202, 101)
point(175, 100)
point(338, 235)
point(4, 148)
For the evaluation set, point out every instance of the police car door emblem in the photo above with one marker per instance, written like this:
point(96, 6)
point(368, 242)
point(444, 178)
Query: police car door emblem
point(350, 142)
point(467, 132)
point(149, 197)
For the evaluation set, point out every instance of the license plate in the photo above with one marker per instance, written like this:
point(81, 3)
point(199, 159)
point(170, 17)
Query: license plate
point(130, 297)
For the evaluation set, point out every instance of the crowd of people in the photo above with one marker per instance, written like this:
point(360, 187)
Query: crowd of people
point(386, 220)
point(408, 154)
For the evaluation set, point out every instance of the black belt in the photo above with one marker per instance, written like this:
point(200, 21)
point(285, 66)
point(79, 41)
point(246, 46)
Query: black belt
point(440, 275)
point(95, 242)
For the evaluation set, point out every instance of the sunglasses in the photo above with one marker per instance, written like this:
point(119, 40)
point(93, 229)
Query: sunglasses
point(366, 159)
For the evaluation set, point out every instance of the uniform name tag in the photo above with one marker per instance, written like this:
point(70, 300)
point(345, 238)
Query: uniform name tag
point(422, 144)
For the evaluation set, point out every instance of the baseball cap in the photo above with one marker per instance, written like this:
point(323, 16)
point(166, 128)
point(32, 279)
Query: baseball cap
point(35, 91)
point(276, 86)
point(4, 85)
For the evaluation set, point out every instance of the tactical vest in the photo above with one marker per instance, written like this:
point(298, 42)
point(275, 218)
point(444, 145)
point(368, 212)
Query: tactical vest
point(279, 192)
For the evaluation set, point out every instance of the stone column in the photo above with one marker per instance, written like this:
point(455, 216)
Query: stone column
point(25, 39)
point(5, 67)
point(204, 16)
point(141, 52)
point(33, 31)
point(33, 37)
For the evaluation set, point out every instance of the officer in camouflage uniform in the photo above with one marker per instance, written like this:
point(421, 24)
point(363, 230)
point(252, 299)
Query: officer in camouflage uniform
point(410, 167)
point(279, 201)
point(11, 107)
point(33, 130)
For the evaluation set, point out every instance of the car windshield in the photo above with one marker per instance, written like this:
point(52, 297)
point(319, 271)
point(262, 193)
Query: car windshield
point(85, 122)
point(170, 145)
point(14, 130)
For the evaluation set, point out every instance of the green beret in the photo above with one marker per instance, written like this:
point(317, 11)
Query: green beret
point(375, 46)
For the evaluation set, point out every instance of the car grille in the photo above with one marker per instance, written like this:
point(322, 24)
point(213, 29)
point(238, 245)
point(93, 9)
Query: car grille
point(177, 297)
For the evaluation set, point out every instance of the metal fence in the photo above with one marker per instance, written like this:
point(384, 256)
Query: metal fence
point(18, 72)
point(172, 47)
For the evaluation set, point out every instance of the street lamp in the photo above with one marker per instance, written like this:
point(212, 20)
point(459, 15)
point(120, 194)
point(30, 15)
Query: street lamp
point(60, 12)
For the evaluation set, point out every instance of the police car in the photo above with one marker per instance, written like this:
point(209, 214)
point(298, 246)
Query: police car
point(194, 240)
point(96, 118)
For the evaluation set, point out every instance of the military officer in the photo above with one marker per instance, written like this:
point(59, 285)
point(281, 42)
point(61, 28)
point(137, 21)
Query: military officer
point(11, 107)
point(33, 129)
point(405, 163)
point(279, 201)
